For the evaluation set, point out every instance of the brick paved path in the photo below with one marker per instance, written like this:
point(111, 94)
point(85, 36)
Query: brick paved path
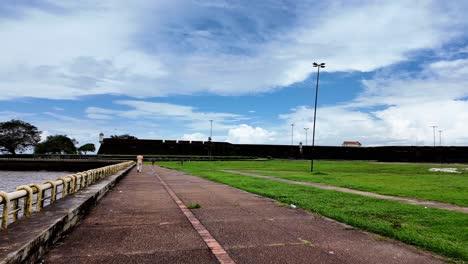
point(139, 222)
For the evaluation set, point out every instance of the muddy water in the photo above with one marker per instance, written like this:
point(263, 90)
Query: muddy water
point(9, 180)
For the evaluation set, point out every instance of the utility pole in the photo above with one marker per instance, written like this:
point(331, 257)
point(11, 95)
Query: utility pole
point(306, 130)
point(292, 134)
point(440, 137)
point(211, 130)
point(433, 132)
point(210, 151)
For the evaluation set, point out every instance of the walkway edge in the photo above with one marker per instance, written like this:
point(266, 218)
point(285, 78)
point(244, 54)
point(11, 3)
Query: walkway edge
point(216, 248)
point(27, 240)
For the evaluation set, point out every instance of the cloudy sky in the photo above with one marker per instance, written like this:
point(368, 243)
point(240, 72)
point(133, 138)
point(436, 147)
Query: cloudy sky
point(163, 69)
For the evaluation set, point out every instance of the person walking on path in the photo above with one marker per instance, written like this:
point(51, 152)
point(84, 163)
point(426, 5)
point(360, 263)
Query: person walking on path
point(139, 162)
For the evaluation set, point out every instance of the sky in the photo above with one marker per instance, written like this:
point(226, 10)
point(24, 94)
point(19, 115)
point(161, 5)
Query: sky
point(164, 69)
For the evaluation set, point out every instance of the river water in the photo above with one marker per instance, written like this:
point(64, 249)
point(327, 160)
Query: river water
point(9, 180)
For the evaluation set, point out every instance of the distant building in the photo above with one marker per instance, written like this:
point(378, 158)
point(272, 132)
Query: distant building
point(351, 144)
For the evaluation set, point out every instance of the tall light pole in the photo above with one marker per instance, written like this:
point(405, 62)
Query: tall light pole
point(210, 147)
point(433, 132)
point(440, 137)
point(318, 65)
point(211, 130)
point(292, 134)
point(306, 130)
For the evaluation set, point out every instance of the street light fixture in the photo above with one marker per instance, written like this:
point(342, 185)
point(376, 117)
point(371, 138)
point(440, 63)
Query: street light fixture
point(292, 134)
point(306, 130)
point(318, 65)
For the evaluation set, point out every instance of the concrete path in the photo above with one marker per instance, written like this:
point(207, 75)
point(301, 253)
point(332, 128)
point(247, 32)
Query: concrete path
point(413, 201)
point(136, 222)
point(144, 220)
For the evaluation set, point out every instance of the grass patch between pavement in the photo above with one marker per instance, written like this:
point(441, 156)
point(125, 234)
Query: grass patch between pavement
point(194, 206)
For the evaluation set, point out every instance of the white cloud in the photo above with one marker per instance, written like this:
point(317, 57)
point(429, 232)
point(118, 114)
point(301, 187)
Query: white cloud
point(8, 115)
point(155, 49)
point(100, 113)
point(441, 80)
point(334, 125)
point(397, 109)
point(246, 134)
point(369, 36)
point(171, 114)
point(195, 137)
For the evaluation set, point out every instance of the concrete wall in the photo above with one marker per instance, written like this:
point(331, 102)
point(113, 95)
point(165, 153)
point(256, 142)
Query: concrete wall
point(392, 153)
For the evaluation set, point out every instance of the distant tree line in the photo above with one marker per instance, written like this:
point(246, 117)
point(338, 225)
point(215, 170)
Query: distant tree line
point(17, 136)
point(124, 136)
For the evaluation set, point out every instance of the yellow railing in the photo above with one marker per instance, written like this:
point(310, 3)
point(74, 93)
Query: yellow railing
point(36, 194)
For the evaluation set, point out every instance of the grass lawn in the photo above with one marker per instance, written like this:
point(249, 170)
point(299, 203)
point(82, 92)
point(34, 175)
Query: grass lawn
point(441, 231)
point(405, 180)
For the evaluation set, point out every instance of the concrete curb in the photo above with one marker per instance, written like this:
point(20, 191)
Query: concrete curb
point(27, 240)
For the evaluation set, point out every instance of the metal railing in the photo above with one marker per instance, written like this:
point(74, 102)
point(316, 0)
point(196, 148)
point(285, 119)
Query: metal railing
point(34, 196)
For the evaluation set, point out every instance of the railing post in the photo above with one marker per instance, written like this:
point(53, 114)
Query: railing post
point(27, 200)
point(72, 183)
point(90, 178)
point(79, 177)
point(53, 191)
point(6, 207)
point(64, 187)
point(84, 176)
point(40, 193)
point(14, 210)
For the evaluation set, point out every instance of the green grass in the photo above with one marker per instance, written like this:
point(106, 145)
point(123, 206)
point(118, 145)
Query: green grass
point(405, 180)
point(194, 206)
point(441, 231)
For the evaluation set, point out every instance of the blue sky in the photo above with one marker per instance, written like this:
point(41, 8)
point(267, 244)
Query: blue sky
point(163, 69)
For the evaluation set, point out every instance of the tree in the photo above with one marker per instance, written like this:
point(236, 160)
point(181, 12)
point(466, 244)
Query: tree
point(57, 144)
point(124, 136)
point(17, 135)
point(89, 147)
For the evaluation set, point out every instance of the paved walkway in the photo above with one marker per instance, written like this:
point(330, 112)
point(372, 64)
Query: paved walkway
point(144, 220)
point(427, 203)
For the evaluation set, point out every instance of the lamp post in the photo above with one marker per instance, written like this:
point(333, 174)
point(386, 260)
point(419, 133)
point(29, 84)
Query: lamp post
point(210, 151)
point(318, 65)
point(292, 134)
point(433, 133)
point(211, 130)
point(306, 131)
point(440, 137)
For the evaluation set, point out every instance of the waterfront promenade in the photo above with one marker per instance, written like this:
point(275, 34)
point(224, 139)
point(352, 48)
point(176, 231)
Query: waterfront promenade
point(143, 219)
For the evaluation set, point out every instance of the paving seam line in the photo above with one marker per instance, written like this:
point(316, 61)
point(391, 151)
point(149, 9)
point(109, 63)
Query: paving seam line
point(412, 201)
point(215, 248)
